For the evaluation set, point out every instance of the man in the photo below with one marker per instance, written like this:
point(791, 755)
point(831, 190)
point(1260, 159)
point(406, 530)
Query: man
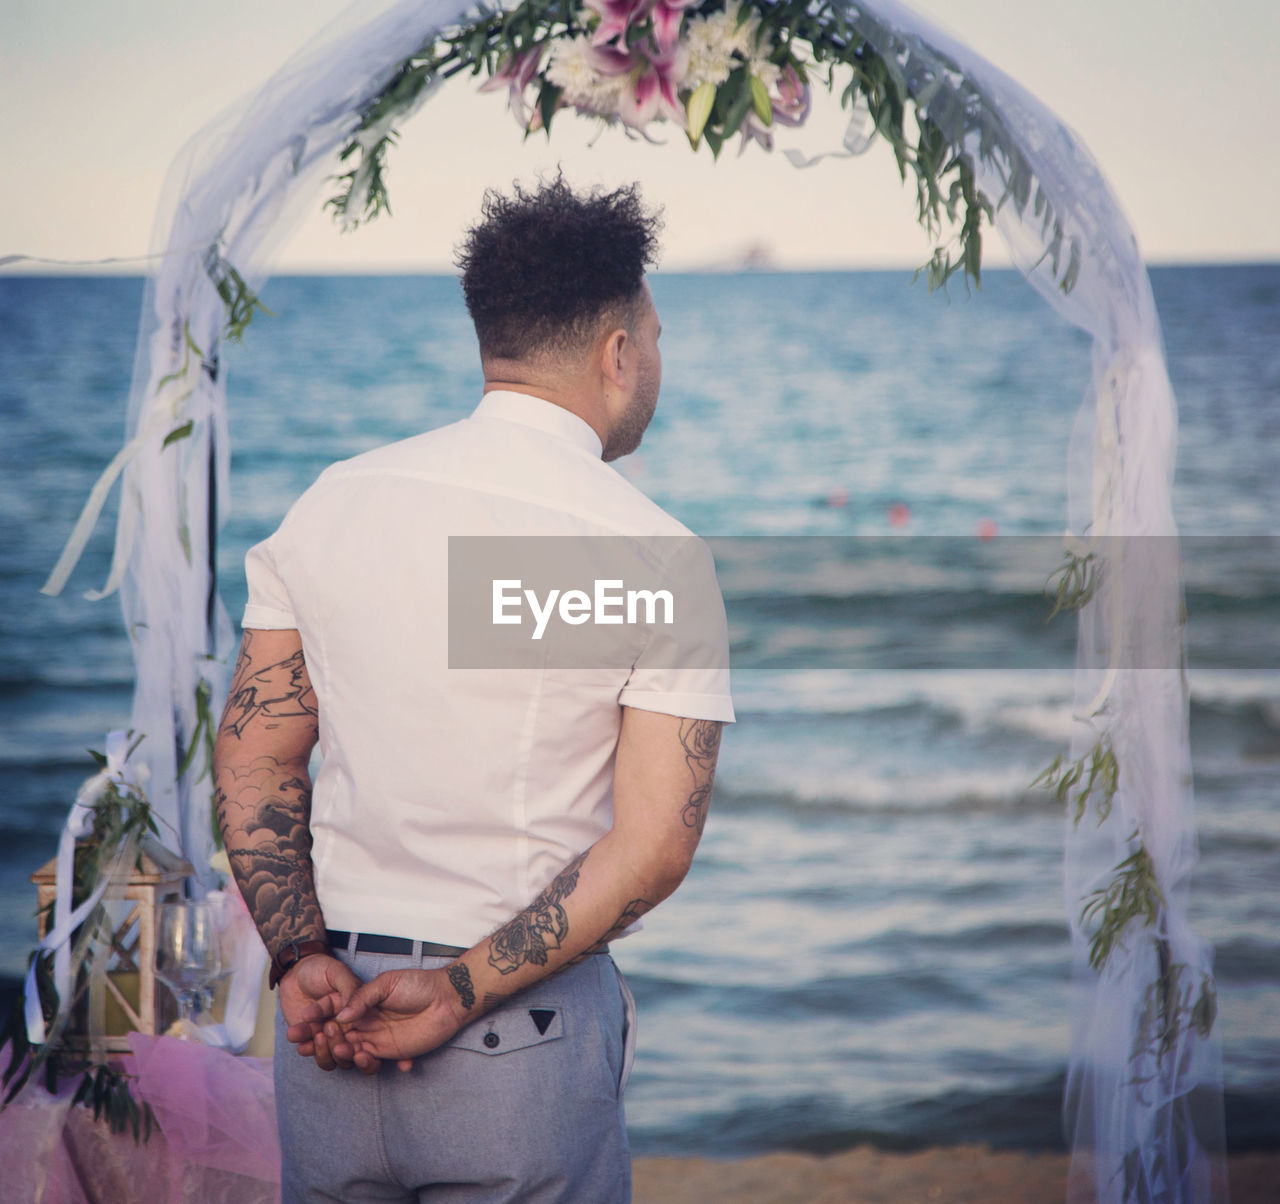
point(476, 835)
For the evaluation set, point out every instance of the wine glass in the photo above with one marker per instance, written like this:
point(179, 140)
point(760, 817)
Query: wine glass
point(188, 960)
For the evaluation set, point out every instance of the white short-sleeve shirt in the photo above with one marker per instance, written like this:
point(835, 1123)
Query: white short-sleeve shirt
point(447, 798)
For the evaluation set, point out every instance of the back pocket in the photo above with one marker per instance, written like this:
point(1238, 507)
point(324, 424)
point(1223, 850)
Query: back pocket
point(510, 1028)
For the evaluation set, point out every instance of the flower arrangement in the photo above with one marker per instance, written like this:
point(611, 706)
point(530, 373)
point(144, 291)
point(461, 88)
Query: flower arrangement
point(716, 68)
point(710, 70)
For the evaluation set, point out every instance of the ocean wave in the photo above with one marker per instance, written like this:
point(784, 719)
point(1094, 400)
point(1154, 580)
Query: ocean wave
point(836, 691)
point(1026, 1114)
point(1246, 729)
point(1244, 705)
point(1037, 934)
point(1245, 960)
point(967, 792)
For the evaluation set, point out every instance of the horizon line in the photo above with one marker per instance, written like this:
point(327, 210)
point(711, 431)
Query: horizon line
point(37, 267)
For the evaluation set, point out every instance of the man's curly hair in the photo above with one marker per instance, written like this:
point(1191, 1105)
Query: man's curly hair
point(544, 269)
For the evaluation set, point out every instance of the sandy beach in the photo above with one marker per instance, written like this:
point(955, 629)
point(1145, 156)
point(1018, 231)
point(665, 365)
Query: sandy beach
point(946, 1174)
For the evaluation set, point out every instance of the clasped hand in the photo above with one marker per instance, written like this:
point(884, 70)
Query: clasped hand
point(341, 1022)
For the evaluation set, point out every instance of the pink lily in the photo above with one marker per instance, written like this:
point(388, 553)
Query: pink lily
point(654, 89)
point(667, 15)
point(791, 106)
point(610, 60)
point(517, 72)
point(615, 17)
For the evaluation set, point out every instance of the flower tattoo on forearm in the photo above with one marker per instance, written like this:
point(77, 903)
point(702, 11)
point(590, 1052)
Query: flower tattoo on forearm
point(700, 739)
point(540, 928)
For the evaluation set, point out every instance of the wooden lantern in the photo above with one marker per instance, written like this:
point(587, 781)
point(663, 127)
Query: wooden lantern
point(136, 1000)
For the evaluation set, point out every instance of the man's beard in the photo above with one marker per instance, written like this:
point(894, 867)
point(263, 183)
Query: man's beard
point(626, 435)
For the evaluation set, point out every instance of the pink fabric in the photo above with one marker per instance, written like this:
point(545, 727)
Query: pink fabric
point(53, 1153)
point(36, 1159)
point(214, 1109)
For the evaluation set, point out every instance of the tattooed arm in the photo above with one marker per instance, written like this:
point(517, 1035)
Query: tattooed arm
point(262, 794)
point(661, 790)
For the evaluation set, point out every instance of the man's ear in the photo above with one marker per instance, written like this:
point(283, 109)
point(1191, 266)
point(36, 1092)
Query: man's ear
point(612, 357)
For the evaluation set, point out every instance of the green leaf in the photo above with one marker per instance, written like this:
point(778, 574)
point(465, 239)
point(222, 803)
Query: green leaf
point(1206, 1008)
point(1072, 274)
point(17, 1038)
point(188, 346)
point(973, 256)
point(19, 1083)
point(206, 728)
point(740, 105)
point(179, 432)
point(548, 99)
point(1055, 246)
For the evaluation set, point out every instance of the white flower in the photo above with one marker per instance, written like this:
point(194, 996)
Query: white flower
point(572, 69)
point(713, 41)
point(708, 63)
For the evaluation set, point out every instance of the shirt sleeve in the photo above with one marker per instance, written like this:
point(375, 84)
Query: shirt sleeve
point(269, 607)
point(684, 667)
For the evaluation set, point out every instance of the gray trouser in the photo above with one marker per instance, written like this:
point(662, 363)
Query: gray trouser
point(523, 1105)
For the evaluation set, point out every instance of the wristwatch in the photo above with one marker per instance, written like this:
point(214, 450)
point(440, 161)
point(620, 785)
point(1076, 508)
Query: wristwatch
point(289, 955)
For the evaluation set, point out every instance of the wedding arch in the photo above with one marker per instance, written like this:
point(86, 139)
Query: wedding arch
point(1143, 1103)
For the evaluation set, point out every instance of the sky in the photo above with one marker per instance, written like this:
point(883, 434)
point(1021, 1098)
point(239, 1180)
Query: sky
point(1177, 100)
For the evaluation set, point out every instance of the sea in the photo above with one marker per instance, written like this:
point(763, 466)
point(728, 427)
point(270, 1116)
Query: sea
point(872, 943)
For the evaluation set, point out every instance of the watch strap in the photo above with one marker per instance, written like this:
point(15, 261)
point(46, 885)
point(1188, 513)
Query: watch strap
point(289, 955)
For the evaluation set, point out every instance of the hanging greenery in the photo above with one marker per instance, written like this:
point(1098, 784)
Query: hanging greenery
point(1130, 903)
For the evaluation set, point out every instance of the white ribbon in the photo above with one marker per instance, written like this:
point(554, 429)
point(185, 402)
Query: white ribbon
point(88, 519)
point(7, 260)
point(67, 920)
point(858, 136)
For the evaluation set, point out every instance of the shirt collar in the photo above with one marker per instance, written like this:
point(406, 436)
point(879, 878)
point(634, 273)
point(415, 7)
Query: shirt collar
point(542, 415)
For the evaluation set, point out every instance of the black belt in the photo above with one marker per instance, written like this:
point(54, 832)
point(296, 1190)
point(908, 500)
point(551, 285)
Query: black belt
point(371, 942)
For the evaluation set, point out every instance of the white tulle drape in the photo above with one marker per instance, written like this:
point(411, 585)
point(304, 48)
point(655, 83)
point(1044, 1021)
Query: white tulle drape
point(1143, 1110)
point(235, 192)
point(1144, 1118)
